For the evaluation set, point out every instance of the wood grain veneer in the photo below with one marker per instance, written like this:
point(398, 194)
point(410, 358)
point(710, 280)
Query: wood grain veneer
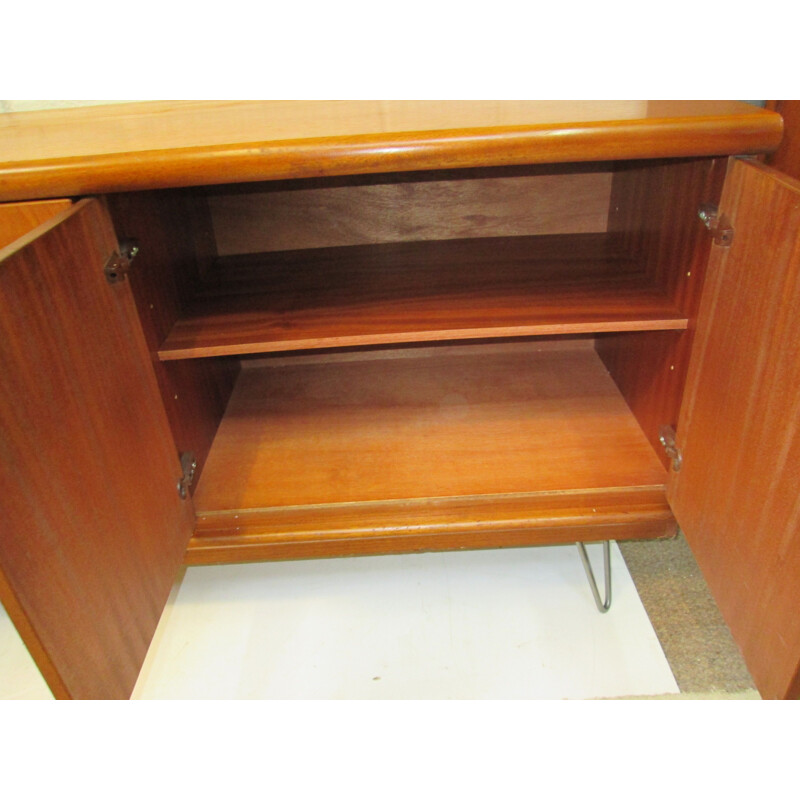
point(18, 219)
point(412, 526)
point(653, 219)
point(93, 531)
point(736, 496)
point(397, 451)
point(420, 291)
point(519, 202)
point(169, 144)
point(175, 245)
point(787, 157)
point(306, 442)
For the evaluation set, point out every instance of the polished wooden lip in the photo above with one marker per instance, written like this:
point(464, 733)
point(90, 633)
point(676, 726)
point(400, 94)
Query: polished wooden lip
point(734, 130)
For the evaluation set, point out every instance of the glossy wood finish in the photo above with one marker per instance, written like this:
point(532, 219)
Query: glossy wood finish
point(736, 496)
point(412, 526)
point(175, 245)
point(307, 441)
point(653, 218)
point(169, 144)
point(412, 207)
point(419, 291)
point(18, 219)
point(93, 530)
point(381, 452)
point(787, 157)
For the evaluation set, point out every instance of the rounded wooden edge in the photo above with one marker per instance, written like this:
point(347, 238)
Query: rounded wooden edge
point(392, 152)
point(229, 550)
point(430, 524)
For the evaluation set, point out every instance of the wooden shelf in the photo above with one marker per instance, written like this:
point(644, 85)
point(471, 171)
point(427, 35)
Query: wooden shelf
point(418, 291)
point(431, 448)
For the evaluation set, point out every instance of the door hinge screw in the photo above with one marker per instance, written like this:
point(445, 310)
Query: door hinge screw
point(119, 262)
point(719, 225)
point(188, 466)
point(666, 435)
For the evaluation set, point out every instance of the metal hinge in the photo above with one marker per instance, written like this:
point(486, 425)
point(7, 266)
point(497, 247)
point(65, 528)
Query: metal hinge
point(719, 225)
point(666, 435)
point(119, 263)
point(188, 465)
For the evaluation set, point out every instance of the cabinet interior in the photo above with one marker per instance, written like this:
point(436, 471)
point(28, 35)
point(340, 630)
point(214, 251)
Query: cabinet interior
point(413, 361)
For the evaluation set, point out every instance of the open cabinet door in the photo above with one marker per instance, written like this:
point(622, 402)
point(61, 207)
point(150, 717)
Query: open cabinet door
point(92, 528)
point(737, 495)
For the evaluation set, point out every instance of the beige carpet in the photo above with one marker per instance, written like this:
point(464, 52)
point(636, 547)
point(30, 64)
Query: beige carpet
point(699, 647)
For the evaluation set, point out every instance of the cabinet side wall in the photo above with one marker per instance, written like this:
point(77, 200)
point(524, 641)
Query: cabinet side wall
point(787, 157)
point(176, 247)
point(653, 219)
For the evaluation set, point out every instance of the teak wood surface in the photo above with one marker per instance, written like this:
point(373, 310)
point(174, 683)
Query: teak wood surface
point(419, 291)
point(736, 496)
point(19, 219)
point(171, 143)
point(406, 207)
point(93, 531)
point(169, 228)
point(383, 451)
point(308, 443)
point(787, 157)
point(423, 525)
point(654, 220)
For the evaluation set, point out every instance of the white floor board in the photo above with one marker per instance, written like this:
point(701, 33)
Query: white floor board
point(501, 624)
point(19, 677)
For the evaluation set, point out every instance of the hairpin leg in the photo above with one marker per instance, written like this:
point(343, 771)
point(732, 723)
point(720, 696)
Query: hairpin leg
point(602, 607)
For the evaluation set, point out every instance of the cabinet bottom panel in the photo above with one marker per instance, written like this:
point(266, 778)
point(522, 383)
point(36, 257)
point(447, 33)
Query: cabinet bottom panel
point(493, 445)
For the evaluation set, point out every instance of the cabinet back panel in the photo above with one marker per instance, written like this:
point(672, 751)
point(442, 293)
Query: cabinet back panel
point(546, 202)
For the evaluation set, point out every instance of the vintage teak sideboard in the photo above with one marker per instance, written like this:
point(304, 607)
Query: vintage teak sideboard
point(275, 330)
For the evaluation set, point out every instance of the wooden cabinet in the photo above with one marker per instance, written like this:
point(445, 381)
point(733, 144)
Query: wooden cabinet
point(383, 328)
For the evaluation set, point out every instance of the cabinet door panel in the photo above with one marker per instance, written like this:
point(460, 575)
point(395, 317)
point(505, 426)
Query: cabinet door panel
point(737, 496)
point(93, 530)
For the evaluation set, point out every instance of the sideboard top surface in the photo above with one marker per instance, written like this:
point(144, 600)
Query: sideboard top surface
point(134, 146)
